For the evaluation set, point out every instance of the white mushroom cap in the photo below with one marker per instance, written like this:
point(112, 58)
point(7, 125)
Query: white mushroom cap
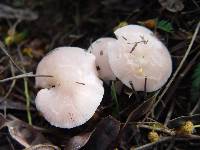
point(77, 92)
point(132, 62)
point(130, 31)
point(100, 49)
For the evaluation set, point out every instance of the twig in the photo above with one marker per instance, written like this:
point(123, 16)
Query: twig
point(179, 67)
point(164, 130)
point(10, 89)
point(195, 107)
point(169, 113)
point(114, 97)
point(180, 77)
point(12, 13)
point(13, 82)
point(25, 75)
point(197, 5)
point(136, 43)
point(2, 46)
point(26, 92)
point(145, 88)
point(130, 116)
point(10, 143)
point(155, 95)
point(171, 145)
point(149, 145)
point(133, 89)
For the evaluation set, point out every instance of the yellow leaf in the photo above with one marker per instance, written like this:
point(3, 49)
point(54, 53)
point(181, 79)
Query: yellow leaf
point(121, 24)
point(28, 51)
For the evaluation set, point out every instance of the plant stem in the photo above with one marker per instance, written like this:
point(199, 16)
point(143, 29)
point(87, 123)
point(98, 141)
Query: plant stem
point(114, 96)
point(26, 92)
point(197, 126)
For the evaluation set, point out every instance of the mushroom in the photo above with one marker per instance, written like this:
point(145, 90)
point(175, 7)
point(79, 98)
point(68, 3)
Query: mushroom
point(99, 48)
point(72, 95)
point(139, 59)
point(129, 32)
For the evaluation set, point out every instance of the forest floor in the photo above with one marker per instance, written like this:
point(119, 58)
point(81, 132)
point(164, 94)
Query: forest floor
point(165, 119)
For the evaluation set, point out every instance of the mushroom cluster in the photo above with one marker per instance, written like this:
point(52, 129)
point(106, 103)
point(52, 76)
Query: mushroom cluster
point(71, 96)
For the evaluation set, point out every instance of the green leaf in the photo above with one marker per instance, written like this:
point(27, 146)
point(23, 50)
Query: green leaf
point(195, 89)
point(114, 97)
point(15, 38)
point(164, 25)
point(121, 24)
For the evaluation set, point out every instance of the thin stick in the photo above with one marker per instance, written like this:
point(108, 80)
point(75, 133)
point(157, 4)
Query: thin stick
point(133, 89)
point(195, 107)
point(163, 130)
point(180, 65)
point(150, 145)
point(10, 143)
point(169, 113)
point(13, 82)
point(113, 90)
point(26, 92)
point(6, 53)
point(179, 79)
point(25, 75)
point(26, 89)
point(10, 89)
point(145, 88)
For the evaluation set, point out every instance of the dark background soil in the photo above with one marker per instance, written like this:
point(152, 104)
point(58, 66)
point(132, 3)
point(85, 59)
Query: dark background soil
point(79, 23)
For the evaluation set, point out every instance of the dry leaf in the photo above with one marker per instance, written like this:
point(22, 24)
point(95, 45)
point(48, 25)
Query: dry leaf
point(43, 147)
point(77, 142)
point(141, 110)
point(22, 132)
point(2, 121)
point(172, 5)
point(104, 135)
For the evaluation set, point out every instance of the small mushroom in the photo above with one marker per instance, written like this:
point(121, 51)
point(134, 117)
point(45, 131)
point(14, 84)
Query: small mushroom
point(99, 48)
point(138, 58)
point(72, 95)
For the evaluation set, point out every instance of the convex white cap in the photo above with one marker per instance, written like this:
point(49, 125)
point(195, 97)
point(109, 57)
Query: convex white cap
point(72, 95)
point(99, 48)
point(137, 55)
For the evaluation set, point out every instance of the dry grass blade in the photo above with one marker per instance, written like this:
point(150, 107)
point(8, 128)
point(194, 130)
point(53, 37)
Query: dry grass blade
point(25, 75)
point(2, 46)
point(12, 13)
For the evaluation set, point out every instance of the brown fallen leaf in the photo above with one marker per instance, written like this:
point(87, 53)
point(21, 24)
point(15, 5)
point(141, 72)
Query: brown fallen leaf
point(2, 121)
point(104, 135)
point(77, 142)
point(141, 110)
point(172, 5)
point(101, 138)
point(13, 105)
point(22, 132)
point(43, 147)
